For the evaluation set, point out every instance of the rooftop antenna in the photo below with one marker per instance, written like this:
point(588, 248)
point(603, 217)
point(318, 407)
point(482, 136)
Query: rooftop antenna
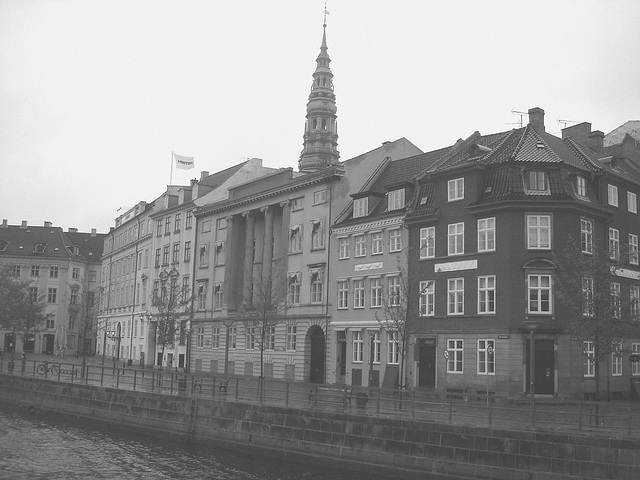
point(521, 114)
point(564, 123)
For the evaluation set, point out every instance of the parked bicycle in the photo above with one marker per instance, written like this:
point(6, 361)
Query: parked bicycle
point(48, 367)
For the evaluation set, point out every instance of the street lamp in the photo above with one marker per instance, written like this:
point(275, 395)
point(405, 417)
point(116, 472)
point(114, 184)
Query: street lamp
point(227, 323)
point(532, 326)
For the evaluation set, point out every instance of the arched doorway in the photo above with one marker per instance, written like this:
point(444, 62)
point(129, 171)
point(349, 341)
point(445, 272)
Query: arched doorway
point(316, 374)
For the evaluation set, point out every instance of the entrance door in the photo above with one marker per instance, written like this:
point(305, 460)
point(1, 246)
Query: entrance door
point(342, 357)
point(9, 343)
point(427, 363)
point(317, 355)
point(48, 341)
point(544, 366)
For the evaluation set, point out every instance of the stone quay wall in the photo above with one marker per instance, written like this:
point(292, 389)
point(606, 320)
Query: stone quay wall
point(399, 448)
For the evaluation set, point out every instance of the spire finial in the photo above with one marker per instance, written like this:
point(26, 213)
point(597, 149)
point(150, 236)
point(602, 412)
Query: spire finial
point(326, 12)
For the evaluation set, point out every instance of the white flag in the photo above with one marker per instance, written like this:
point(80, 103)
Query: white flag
point(183, 163)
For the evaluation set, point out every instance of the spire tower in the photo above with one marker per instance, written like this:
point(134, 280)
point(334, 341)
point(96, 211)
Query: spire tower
point(321, 128)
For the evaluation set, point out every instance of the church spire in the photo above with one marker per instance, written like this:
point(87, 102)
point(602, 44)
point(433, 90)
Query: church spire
point(321, 129)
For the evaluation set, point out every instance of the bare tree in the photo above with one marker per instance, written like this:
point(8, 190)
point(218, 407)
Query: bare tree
point(83, 312)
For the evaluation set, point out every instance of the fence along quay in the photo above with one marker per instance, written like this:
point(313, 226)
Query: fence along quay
point(466, 436)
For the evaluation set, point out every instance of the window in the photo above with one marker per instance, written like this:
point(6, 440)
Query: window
point(376, 348)
point(218, 254)
point(360, 248)
point(616, 359)
point(233, 337)
point(187, 251)
point(202, 295)
point(157, 257)
point(455, 295)
point(53, 272)
point(426, 302)
point(203, 255)
point(589, 364)
point(632, 202)
point(73, 296)
point(615, 300)
point(33, 294)
point(633, 249)
point(456, 189)
point(395, 199)
point(221, 224)
point(185, 286)
point(392, 348)
point(271, 338)
point(200, 337)
point(343, 294)
point(456, 238)
point(634, 301)
point(3, 245)
point(50, 321)
point(586, 235)
point(319, 197)
point(581, 186)
point(294, 288)
point(360, 207)
point(176, 226)
point(486, 357)
point(395, 240)
point(358, 293)
point(156, 286)
point(206, 226)
point(635, 366)
point(317, 234)
point(357, 346)
point(35, 270)
point(167, 225)
point(614, 244)
point(343, 247)
point(316, 286)
point(539, 232)
point(218, 296)
point(15, 271)
point(394, 291)
point(250, 338)
point(295, 239)
point(297, 203)
point(487, 234)
point(612, 195)
point(188, 220)
point(428, 242)
point(52, 295)
point(376, 291)
point(487, 294)
point(539, 293)
point(159, 227)
point(215, 337)
point(455, 348)
point(536, 182)
point(587, 297)
point(176, 253)
point(165, 255)
point(376, 243)
point(292, 334)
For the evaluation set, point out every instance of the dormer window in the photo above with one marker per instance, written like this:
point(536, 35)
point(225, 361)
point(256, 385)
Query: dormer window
point(581, 186)
point(3, 245)
point(39, 247)
point(536, 182)
point(395, 199)
point(456, 189)
point(360, 207)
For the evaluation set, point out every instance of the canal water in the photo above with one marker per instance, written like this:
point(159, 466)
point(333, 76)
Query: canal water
point(42, 446)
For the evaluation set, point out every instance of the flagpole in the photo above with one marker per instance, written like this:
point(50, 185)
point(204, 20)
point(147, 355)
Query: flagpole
point(171, 175)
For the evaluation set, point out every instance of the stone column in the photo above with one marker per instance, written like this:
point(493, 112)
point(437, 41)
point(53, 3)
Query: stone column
point(267, 251)
point(231, 266)
point(247, 284)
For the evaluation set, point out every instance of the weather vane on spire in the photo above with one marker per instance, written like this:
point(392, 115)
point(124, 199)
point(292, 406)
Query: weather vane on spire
point(326, 12)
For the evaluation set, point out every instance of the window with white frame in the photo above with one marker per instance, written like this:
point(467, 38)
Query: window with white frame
point(52, 295)
point(360, 207)
point(393, 357)
point(487, 294)
point(586, 235)
point(634, 301)
point(35, 270)
point(175, 258)
point(360, 246)
point(587, 296)
point(188, 221)
point(456, 189)
point(358, 293)
point(632, 202)
point(615, 300)
point(395, 240)
point(581, 186)
point(455, 296)
point(295, 239)
point(357, 346)
point(75, 273)
point(588, 363)
point(539, 232)
point(343, 294)
point(375, 284)
point(250, 338)
point(319, 196)
point(343, 247)
point(221, 223)
point(455, 361)
point(426, 299)
point(395, 199)
point(297, 203)
point(294, 288)
point(616, 360)
point(53, 271)
point(614, 244)
point(218, 296)
point(376, 348)
point(486, 357)
point(536, 182)
point(633, 249)
point(202, 295)
point(292, 337)
point(539, 293)
point(271, 338)
point(456, 238)
point(487, 234)
point(200, 337)
point(428, 242)
point(187, 251)
point(316, 285)
point(612, 195)
point(394, 290)
point(176, 224)
point(635, 366)
point(317, 233)
point(376, 243)
point(159, 228)
point(167, 225)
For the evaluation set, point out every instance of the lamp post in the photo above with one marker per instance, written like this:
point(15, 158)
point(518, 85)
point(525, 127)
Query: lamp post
point(227, 323)
point(532, 326)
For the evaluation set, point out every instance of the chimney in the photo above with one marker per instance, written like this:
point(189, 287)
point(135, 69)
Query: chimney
point(93, 232)
point(4, 223)
point(536, 119)
point(193, 181)
point(579, 132)
point(24, 224)
point(48, 224)
point(72, 230)
point(204, 174)
point(596, 140)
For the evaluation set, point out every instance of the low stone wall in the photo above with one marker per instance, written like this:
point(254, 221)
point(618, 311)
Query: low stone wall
point(404, 449)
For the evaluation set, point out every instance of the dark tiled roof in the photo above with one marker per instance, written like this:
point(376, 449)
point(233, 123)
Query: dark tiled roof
point(426, 204)
point(90, 246)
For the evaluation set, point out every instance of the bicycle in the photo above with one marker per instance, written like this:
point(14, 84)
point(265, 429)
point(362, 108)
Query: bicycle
point(48, 367)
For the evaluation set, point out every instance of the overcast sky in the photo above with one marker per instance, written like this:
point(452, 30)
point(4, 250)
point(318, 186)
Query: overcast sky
point(95, 95)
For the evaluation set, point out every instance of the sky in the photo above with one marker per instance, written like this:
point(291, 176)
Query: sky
point(95, 95)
